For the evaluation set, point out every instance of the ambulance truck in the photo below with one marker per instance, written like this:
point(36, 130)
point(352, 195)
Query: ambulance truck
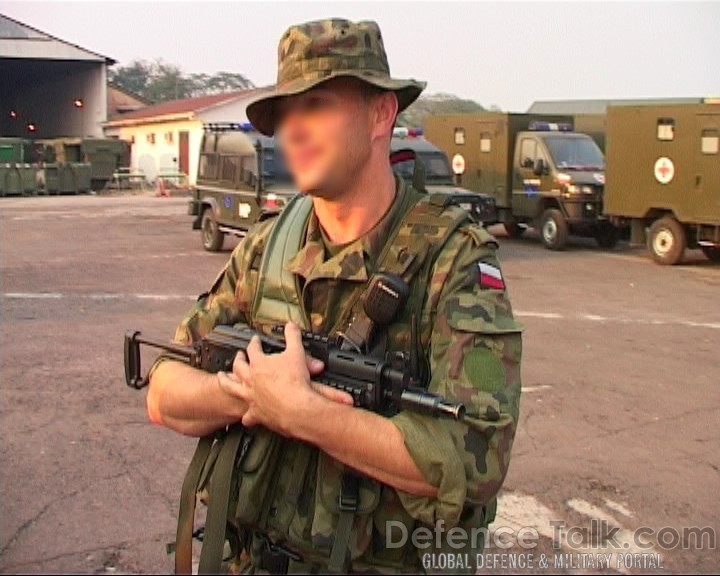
point(663, 177)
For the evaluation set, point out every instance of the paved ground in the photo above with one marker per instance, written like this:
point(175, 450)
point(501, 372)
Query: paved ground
point(619, 416)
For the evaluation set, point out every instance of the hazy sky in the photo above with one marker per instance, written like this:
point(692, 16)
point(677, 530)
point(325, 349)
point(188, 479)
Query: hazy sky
point(508, 54)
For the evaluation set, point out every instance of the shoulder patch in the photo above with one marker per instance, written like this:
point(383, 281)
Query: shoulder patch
point(490, 277)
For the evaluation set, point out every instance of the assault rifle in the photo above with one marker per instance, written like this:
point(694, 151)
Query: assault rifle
point(381, 385)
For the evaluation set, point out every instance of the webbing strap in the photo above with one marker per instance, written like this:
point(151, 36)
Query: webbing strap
point(186, 514)
point(217, 514)
point(348, 504)
point(339, 560)
point(277, 294)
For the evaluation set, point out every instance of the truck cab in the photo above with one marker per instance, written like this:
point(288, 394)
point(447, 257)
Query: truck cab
point(437, 175)
point(541, 173)
point(557, 185)
point(241, 180)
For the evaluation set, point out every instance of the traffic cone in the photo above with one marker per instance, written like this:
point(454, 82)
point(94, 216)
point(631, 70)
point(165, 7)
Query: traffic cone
point(161, 190)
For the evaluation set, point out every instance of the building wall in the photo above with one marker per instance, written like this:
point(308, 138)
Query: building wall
point(163, 154)
point(231, 112)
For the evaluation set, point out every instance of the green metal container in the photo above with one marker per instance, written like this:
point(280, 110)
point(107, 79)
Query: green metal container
point(17, 179)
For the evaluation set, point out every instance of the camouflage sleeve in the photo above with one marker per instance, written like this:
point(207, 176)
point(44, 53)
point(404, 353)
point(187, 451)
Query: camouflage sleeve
point(230, 296)
point(475, 351)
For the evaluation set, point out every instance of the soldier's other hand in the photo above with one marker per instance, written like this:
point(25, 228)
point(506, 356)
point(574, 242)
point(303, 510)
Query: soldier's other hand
point(274, 385)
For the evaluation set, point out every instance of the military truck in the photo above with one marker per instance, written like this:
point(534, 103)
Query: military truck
point(241, 179)
point(436, 175)
point(594, 125)
point(541, 173)
point(663, 177)
point(104, 156)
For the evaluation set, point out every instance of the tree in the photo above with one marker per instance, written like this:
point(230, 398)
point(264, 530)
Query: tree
point(415, 114)
point(160, 81)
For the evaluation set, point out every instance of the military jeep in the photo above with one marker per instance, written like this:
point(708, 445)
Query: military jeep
point(241, 180)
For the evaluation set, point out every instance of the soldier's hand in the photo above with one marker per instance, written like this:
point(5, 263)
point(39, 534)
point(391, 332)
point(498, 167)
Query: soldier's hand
point(273, 385)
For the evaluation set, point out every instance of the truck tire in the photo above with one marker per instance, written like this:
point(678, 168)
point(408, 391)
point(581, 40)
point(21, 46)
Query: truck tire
point(553, 229)
point(667, 241)
point(607, 236)
point(712, 252)
point(212, 238)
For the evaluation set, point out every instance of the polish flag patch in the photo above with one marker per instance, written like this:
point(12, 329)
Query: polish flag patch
point(490, 277)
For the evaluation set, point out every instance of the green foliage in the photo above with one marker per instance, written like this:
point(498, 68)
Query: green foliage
point(160, 81)
point(415, 114)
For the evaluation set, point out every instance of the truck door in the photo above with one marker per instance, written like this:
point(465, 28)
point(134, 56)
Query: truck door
point(527, 187)
point(706, 202)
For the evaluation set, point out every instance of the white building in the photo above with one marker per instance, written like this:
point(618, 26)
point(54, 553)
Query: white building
point(166, 137)
point(49, 87)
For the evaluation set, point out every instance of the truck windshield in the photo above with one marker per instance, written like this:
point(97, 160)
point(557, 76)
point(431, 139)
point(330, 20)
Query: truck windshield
point(274, 166)
point(437, 167)
point(575, 153)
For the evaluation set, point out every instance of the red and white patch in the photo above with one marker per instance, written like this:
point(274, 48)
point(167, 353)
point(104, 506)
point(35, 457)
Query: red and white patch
point(490, 277)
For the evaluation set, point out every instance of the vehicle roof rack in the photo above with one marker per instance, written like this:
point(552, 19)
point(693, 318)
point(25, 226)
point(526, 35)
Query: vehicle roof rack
point(228, 127)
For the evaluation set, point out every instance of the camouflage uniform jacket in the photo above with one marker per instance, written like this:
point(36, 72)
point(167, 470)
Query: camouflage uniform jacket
point(473, 345)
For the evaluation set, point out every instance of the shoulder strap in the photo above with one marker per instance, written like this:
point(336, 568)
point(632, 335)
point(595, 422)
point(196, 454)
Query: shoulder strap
point(418, 239)
point(277, 297)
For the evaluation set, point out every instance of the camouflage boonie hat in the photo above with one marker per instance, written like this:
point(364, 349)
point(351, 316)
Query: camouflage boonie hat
point(314, 52)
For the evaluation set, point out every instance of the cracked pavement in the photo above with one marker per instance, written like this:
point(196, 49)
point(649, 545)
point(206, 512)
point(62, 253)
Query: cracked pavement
point(621, 371)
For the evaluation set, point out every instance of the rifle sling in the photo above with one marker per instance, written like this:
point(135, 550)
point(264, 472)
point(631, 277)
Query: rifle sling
point(186, 514)
point(211, 555)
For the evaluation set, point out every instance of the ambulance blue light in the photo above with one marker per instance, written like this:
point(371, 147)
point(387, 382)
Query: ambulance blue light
point(538, 126)
point(403, 132)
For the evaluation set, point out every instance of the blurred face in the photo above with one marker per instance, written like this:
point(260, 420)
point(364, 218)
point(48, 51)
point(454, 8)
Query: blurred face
point(326, 135)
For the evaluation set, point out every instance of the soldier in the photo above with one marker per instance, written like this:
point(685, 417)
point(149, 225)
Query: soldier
point(338, 487)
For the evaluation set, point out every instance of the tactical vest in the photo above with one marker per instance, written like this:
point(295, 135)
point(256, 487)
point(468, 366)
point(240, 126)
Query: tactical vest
point(266, 490)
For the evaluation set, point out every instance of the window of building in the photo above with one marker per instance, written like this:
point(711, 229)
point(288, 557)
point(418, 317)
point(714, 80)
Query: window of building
point(710, 141)
point(459, 136)
point(150, 138)
point(666, 129)
point(485, 142)
point(169, 137)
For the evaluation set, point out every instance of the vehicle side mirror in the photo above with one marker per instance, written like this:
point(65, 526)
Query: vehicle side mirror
point(539, 168)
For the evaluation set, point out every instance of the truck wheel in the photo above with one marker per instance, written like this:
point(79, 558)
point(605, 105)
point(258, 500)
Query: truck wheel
point(712, 252)
point(607, 236)
point(667, 241)
point(553, 229)
point(212, 238)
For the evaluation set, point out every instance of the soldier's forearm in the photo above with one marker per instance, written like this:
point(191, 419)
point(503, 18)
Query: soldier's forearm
point(189, 400)
point(362, 440)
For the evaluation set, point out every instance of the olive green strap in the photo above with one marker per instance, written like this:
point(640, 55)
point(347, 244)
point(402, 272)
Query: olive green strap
point(217, 512)
point(339, 560)
point(348, 504)
point(186, 514)
point(277, 293)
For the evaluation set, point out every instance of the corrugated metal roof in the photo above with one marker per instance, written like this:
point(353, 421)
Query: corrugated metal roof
point(12, 31)
point(599, 106)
